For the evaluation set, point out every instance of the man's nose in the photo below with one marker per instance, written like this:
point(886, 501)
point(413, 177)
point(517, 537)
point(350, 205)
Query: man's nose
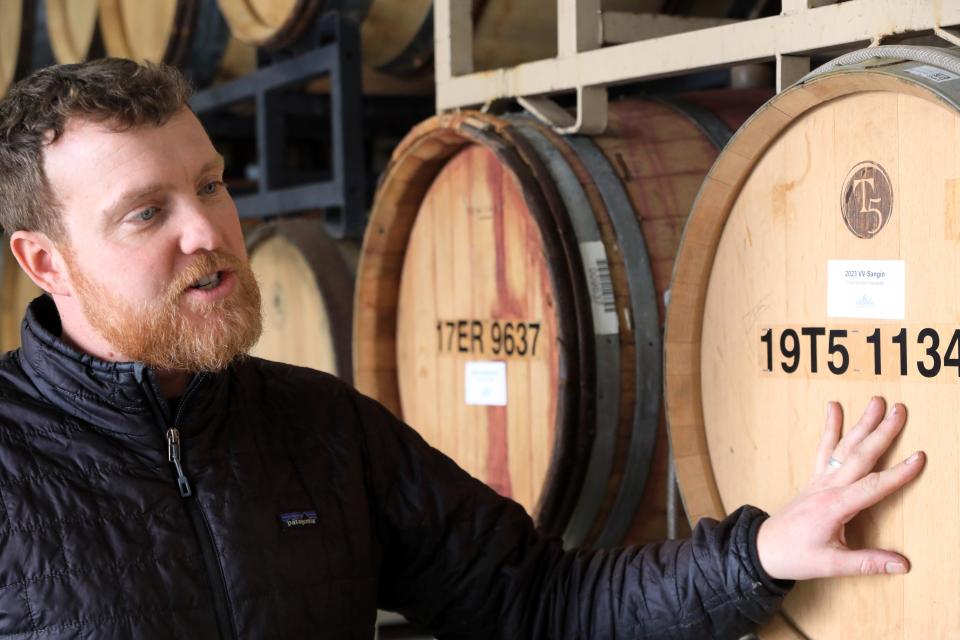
point(199, 230)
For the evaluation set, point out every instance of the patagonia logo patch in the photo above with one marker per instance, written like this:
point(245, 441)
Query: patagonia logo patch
point(298, 520)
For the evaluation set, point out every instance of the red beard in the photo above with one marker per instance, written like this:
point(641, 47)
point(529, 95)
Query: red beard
point(159, 333)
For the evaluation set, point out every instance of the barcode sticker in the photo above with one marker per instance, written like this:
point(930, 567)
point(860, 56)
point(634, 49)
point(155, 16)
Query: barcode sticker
point(602, 302)
point(932, 73)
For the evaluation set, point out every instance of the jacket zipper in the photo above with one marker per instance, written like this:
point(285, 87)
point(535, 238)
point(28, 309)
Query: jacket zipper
point(173, 454)
point(218, 584)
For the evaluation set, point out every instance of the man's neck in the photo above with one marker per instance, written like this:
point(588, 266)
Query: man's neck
point(173, 383)
point(77, 332)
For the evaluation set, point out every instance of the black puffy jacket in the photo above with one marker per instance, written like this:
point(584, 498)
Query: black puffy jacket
point(309, 506)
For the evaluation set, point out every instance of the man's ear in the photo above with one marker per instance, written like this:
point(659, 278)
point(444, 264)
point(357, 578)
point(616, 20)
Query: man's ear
point(41, 260)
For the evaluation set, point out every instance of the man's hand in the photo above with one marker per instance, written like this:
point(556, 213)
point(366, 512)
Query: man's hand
point(805, 539)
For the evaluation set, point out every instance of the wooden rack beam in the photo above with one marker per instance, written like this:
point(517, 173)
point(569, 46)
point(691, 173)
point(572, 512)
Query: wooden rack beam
point(804, 28)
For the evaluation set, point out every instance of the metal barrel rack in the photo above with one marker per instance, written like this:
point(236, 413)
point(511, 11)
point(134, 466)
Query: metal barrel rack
point(284, 110)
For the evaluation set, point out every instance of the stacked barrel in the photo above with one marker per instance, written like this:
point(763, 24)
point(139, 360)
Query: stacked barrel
point(308, 276)
point(306, 285)
point(512, 284)
point(510, 301)
point(216, 39)
point(35, 34)
point(397, 35)
point(820, 263)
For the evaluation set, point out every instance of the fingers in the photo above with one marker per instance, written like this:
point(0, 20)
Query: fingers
point(871, 417)
point(830, 437)
point(874, 487)
point(864, 562)
point(862, 459)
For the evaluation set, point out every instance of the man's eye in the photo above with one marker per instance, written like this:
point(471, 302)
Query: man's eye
point(211, 187)
point(147, 214)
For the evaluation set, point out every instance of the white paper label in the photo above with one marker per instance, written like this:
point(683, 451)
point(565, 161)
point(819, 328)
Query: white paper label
point(933, 73)
point(866, 289)
point(602, 302)
point(486, 383)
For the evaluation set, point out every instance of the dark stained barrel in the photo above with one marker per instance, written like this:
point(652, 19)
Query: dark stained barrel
point(508, 302)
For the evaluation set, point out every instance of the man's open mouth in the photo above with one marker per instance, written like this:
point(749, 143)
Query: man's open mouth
point(208, 282)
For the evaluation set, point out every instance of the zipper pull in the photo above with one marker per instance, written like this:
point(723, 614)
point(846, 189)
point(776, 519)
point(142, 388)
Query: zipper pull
point(173, 454)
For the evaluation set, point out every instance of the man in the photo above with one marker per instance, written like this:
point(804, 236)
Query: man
point(156, 484)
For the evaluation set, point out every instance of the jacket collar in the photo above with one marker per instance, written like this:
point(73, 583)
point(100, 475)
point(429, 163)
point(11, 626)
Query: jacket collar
point(122, 397)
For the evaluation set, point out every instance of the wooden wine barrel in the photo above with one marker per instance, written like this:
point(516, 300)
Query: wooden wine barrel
point(820, 263)
point(16, 292)
point(64, 32)
point(276, 24)
point(397, 35)
point(306, 286)
point(16, 41)
point(73, 30)
point(507, 304)
point(190, 34)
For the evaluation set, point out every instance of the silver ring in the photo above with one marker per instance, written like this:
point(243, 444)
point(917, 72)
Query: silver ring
point(834, 463)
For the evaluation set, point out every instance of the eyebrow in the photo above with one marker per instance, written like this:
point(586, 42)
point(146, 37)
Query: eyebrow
point(139, 193)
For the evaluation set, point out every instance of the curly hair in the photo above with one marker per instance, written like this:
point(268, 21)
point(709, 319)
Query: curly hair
point(119, 92)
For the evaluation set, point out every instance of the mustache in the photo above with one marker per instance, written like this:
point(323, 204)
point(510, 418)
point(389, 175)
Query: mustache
point(205, 263)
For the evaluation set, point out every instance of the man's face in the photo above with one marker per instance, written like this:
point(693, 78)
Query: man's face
point(153, 245)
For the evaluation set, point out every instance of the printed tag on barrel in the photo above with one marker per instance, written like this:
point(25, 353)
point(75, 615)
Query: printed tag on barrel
point(874, 289)
point(486, 383)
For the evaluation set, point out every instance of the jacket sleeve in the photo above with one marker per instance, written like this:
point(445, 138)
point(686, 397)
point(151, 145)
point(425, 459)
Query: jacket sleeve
point(466, 563)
